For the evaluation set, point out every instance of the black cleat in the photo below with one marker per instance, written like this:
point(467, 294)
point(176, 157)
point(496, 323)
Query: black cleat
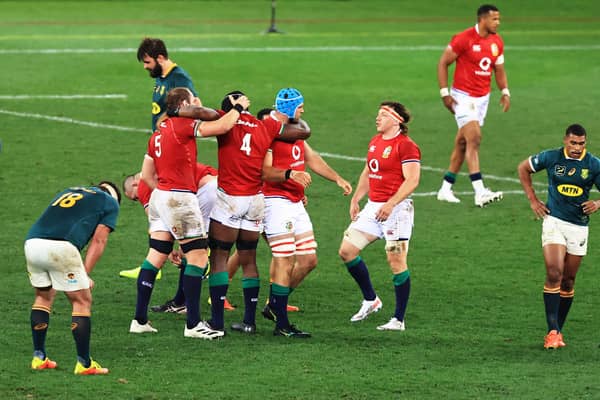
point(243, 327)
point(268, 313)
point(170, 307)
point(291, 332)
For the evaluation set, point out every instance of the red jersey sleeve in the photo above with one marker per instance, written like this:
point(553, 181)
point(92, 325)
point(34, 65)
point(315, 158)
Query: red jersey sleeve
point(273, 127)
point(143, 193)
point(459, 44)
point(409, 151)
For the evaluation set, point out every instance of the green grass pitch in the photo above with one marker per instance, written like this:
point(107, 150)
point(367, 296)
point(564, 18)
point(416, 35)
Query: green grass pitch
point(475, 321)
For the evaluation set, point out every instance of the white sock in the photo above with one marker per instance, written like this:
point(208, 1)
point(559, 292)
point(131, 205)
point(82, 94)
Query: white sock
point(478, 186)
point(446, 186)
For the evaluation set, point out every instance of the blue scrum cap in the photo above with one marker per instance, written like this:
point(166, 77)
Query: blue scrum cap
point(288, 100)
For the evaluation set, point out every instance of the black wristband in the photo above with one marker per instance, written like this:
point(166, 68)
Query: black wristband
point(287, 174)
point(238, 108)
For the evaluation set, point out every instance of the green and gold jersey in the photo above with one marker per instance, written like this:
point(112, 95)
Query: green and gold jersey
point(175, 77)
point(569, 182)
point(74, 214)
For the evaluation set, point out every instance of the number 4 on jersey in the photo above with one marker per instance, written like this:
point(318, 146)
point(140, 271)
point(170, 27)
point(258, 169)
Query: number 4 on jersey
point(246, 143)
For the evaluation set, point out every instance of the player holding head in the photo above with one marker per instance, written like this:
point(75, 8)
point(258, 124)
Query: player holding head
point(390, 176)
point(169, 169)
point(572, 172)
point(75, 216)
point(477, 51)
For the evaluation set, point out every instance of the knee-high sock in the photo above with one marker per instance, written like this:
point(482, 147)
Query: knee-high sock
point(566, 299)
point(358, 269)
point(278, 303)
point(192, 284)
point(402, 289)
point(218, 283)
point(551, 304)
point(81, 327)
point(145, 285)
point(251, 287)
point(40, 318)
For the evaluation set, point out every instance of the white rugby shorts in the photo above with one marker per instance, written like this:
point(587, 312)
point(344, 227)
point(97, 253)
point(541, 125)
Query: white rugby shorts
point(469, 108)
point(398, 226)
point(574, 237)
point(283, 216)
point(55, 263)
point(239, 212)
point(207, 196)
point(176, 212)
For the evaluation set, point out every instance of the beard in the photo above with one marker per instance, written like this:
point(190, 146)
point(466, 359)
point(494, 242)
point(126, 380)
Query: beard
point(156, 72)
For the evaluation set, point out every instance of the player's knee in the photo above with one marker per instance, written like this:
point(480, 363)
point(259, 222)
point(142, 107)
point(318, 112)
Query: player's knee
point(352, 244)
point(162, 246)
point(194, 244)
point(216, 244)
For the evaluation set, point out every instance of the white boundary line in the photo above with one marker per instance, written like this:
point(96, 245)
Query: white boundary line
point(324, 154)
point(62, 96)
point(291, 49)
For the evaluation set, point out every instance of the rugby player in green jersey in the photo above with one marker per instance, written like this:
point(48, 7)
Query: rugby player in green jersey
point(75, 216)
point(155, 57)
point(572, 172)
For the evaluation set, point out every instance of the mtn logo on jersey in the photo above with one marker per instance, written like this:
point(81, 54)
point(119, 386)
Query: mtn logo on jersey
point(570, 190)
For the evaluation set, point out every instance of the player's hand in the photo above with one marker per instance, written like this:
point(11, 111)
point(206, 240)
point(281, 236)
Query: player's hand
point(301, 177)
point(384, 211)
point(345, 185)
point(242, 100)
point(539, 209)
point(92, 283)
point(505, 102)
point(590, 207)
point(449, 103)
point(176, 256)
point(354, 210)
point(305, 201)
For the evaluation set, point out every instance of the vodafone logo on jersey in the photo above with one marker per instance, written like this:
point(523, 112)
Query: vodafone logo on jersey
point(485, 63)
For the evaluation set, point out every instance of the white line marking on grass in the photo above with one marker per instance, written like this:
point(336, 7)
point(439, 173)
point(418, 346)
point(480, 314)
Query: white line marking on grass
point(324, 154)
point(72, 121)
point(62, 96)
point(332, 49)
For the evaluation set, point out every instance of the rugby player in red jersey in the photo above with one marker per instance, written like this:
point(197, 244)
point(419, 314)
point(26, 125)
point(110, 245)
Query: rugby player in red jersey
point(478, 52)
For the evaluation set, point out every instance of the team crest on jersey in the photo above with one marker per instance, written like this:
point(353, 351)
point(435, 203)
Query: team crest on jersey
point(372, 149)
point(572, 171)
point(559, 170)
point(387, 152)
point(494, 49)
point(585, 173)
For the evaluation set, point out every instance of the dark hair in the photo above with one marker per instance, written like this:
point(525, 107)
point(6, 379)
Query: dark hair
point(403, 111)
point(485, 9)
point(152, 48)
point(576, 130)
point(175, 97)
point(226, 104)
point(103, 186)
point(265, 111)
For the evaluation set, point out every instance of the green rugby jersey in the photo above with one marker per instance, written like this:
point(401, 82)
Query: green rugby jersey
point(175, 77)
point(569, 182)
point(74, 214)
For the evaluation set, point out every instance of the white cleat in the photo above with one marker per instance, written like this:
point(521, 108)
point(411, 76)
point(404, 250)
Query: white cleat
point(203, 331)
point(136, 327)
point(486, 197)
point(367, 308)
point(393, 325)
point(447, 195)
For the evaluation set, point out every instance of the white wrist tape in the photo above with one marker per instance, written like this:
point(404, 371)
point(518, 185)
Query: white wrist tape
point(444, 92)
point(505, 92)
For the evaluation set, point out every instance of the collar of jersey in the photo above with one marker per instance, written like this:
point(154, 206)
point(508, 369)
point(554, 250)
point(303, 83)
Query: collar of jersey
point(583, 153)
point(169, 71)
